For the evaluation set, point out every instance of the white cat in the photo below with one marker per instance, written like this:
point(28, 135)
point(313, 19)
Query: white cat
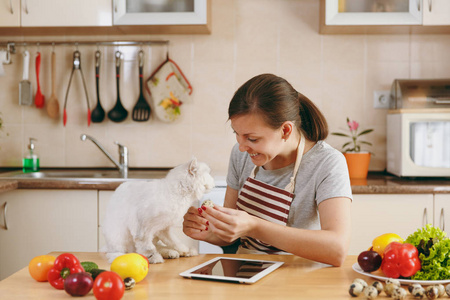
point(142, 213)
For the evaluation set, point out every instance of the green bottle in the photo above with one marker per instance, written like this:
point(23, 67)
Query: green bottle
point(31, 161)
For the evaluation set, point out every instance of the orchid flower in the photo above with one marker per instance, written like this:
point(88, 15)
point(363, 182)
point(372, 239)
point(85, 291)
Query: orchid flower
point(354, 145)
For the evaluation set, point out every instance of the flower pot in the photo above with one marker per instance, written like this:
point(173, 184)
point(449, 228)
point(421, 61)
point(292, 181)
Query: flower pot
point(358, 164)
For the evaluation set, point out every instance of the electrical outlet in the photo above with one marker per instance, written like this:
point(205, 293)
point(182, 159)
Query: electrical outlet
point(381, 99)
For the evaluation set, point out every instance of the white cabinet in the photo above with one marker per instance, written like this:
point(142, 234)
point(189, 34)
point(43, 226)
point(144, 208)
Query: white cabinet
point(372, 16)
point(376, 214)
point(9, 13)
point(442, 212)
point(372, 12)
point(436, 12)
point(54, 13)
point(163, 12)
point(36, 222)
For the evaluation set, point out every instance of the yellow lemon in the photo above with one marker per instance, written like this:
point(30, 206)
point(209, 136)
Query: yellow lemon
point(130, 265)
point(380, 242)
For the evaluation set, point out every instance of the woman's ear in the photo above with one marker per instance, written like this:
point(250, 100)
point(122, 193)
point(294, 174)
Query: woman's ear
point(286, 130)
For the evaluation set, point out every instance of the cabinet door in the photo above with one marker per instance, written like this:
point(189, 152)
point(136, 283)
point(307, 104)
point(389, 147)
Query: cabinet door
point(9, 13)
point(436, 12)
point(56, 13)
point(170, 12)
point(376, 214)
point(372, 12)
point(41, 221)
point(442, 212)
point(103, 199)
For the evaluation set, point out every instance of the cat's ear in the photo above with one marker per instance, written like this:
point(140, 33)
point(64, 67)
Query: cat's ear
point(193, 166)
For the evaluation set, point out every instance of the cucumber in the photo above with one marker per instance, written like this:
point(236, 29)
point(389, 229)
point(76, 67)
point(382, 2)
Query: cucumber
point(96, 272)
point(89, 265)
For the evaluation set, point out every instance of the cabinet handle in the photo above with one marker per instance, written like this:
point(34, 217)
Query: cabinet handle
point(11, 6)
point(5, 206)
point(430, 5)
point(26, 6)
point(442, 220)
point(425, 217)
point(115, 6)
point(418, 4)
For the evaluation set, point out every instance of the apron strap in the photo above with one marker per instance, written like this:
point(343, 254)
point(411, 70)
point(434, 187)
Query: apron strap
point(301, 147)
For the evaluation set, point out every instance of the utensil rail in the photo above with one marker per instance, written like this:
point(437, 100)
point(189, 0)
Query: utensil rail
point(11, 46)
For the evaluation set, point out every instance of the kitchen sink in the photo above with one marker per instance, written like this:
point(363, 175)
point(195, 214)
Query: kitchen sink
point(86, 174)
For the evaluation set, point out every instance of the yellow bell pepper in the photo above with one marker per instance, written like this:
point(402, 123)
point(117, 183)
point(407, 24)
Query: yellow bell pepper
point(380, 242)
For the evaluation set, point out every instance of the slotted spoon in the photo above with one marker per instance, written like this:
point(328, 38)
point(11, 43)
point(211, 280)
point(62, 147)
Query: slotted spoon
point(141, 111)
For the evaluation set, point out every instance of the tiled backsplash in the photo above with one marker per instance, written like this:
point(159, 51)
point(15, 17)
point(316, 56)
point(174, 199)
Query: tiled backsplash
point(338, 72)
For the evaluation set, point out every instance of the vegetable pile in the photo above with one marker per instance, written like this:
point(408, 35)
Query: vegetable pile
point(66, 272)
point(424, 255)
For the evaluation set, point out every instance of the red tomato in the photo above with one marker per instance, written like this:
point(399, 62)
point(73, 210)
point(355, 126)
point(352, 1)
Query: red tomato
point(108, 286)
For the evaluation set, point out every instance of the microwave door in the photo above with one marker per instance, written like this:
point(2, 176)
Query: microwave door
point(430, 144)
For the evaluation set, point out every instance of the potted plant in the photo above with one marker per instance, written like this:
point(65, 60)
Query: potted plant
point(357, 160)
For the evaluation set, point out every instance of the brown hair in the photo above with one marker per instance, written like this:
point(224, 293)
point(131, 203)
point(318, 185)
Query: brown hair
point(277, 101)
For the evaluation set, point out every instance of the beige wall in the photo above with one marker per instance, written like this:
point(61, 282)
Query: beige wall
point(338, 72)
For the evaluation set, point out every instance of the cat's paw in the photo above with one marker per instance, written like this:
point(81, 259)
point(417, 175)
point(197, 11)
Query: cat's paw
point(156, 259)
point(192, 252)
point(169, 253)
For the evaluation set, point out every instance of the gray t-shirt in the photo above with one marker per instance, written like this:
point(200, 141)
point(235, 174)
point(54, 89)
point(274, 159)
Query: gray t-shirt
point(322, 175)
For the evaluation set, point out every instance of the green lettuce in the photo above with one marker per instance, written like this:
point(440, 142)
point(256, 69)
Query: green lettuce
point(434, 253)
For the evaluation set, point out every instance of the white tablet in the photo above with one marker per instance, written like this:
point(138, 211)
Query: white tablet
point(237, 270)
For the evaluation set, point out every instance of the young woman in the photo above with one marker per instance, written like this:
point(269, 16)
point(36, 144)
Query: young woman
point(288, 191)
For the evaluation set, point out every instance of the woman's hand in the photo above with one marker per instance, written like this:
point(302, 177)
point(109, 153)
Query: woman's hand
point(194, 225)
point(228, 224)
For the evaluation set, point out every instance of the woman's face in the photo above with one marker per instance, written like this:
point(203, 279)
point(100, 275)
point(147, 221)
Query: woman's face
point(255, 137)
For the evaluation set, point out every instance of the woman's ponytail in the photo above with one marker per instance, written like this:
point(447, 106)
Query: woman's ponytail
point(313, 124)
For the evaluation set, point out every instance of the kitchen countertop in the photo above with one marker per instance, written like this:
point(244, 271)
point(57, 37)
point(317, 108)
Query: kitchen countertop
point(376, 183)
point(297, 279)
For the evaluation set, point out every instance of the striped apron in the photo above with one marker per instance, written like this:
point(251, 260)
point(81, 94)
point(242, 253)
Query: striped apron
point(267, 202)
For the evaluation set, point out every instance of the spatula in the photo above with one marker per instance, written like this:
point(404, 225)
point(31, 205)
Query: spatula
point(25, 88)
point(53, 104)
point(141, 111)
point(39, 99)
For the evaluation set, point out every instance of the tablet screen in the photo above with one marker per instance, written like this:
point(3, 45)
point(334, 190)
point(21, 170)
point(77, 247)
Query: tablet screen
point(233, 269)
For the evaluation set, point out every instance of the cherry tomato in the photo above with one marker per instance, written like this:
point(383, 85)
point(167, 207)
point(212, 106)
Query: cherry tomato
point(39, 266)
point(108, 286)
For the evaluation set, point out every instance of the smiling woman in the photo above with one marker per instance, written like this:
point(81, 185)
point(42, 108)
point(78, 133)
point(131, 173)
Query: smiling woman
point(287, 190)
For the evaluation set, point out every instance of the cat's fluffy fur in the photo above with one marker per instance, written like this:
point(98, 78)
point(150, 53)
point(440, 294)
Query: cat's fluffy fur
point(142, 213)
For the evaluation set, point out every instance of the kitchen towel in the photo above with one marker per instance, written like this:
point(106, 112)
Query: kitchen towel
point(3, 56)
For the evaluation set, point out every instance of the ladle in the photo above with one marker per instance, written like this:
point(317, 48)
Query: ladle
point(118, 113)
point(98, 114)
point(53, 104)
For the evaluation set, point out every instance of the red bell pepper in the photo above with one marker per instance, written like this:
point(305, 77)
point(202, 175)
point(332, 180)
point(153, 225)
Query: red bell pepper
point(64, 265)
point(400, 260)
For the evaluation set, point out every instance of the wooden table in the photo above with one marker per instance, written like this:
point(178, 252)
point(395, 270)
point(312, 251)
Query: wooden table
point(297, 279)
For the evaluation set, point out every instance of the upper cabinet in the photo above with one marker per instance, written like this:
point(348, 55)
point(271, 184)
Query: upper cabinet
point(161, 12)
point(65, 13)
point(81, 17)
point(355, 16)
point(9, 13)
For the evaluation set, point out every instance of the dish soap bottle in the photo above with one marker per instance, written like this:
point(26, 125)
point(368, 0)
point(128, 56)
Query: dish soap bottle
point(31, 161)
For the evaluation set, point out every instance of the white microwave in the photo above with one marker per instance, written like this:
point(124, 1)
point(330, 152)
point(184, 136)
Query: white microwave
point(418, 143)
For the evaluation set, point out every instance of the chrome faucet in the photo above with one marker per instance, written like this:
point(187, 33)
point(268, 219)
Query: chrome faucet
point(122, 164)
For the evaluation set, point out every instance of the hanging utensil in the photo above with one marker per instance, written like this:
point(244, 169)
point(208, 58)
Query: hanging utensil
point(25, 88)
point(77, 66)
point(98, 114)
point(141, 111)
point(118, 113)
point(39, 99)
point(53, 103)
